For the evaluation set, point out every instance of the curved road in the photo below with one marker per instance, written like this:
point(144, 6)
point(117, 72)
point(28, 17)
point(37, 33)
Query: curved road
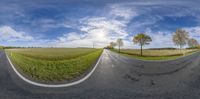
point(116, 77)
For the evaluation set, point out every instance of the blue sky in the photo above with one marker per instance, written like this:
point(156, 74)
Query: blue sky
point(80, 23)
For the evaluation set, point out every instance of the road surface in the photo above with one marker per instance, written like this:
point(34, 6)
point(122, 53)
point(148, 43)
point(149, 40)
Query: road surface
point(116, 77)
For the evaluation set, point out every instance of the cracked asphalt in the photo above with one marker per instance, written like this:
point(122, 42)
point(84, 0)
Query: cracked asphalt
point(116, 77)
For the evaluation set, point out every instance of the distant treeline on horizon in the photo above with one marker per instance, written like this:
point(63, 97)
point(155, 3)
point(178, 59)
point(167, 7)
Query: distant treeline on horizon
point(165, 48)
point(12, 47)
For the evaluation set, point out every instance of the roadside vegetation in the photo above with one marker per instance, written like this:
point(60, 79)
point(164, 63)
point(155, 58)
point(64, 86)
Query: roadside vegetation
point(54, 64)
point(155, 54)
point(180, 38)
point(1, 47)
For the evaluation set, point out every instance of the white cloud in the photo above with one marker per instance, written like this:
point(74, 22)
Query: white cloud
point(108, 28)
point(161, 39)
point(100, 30)
point(9, 34)
point(194, 32)
point(73, 39)
point(113, 24)
point(70, 37)
point(122, 11)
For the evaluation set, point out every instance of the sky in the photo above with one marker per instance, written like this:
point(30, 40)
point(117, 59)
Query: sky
point(82, 23)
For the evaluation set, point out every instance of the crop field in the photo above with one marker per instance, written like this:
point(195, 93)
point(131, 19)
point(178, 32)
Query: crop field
point(156, 54)
point(54, 64)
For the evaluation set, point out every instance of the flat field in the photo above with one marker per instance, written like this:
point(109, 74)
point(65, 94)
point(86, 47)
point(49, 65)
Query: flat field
point(1, 47)
point(53, 64)
point(156, 54)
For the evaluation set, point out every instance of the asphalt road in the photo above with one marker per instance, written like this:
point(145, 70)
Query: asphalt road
point(116, 77)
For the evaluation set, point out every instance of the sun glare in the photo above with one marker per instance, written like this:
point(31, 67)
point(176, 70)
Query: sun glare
point(100, 35)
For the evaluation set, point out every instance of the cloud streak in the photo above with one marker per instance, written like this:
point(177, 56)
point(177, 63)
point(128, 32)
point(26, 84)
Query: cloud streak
point(70, 24)
point(100, 30)
point(10, 35)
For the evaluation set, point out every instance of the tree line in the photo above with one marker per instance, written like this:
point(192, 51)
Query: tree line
point(180, 38)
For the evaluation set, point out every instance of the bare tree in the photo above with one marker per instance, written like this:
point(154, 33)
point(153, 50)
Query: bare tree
point(180, 38)
point(113, 44)
point(193, 42)
point(119, 43)
point(142, 39)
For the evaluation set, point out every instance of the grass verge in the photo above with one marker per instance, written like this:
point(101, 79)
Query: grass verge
point(155, 54)
point(1, 47)
point(53, 69)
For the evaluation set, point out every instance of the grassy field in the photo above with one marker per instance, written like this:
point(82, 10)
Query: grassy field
point(1, 47)
point(156, 54)
point(54, 64)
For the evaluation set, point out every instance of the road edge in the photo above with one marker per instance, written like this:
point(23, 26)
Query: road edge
point(167, 60)
point(55, 85)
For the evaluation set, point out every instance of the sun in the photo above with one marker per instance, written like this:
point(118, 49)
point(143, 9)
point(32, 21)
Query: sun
point(100, 35)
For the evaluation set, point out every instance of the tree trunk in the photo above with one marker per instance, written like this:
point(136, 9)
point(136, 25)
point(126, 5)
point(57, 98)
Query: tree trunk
point(180, 49)
point(119, 48)
point(141, 50)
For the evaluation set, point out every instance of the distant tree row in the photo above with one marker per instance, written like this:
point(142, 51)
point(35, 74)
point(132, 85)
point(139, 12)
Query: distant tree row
point(180, 38)
point(118, 43)
point(13, 47)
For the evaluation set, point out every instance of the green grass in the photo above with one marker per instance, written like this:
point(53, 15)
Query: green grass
point(54, 64)
point(53, 54)
point(155, 54)
point(1, 47)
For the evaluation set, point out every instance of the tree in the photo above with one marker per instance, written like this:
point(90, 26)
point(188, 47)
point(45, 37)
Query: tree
point(193, 43)
point(119, 43)
point(180, 38)
point(113, 44)
point(142, 39)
